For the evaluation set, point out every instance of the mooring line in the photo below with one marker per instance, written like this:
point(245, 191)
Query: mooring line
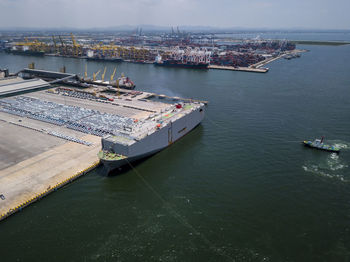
point(216, 124)
point(175, 214)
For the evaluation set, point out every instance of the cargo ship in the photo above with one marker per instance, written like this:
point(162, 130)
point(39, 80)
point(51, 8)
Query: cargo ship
point(175, 63)
point(104, 59)
point(143, 138)
point(25, 52)
point(122, 82)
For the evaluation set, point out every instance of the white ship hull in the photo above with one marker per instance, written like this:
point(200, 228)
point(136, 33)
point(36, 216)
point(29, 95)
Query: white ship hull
point(155, 142)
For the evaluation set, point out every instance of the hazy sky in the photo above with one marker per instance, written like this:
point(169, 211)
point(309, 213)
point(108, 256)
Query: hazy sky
point(315, 14)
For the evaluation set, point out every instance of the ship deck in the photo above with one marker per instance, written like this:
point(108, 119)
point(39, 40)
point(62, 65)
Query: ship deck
point(123, 105)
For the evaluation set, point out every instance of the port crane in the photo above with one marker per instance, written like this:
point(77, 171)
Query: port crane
point(76, 46)
point(112, 76)
point(118, 89)
point(34, 45)
point(94, 75)
point(63, 46)
point(85, 73)
point(103, 74)
point(54, 43)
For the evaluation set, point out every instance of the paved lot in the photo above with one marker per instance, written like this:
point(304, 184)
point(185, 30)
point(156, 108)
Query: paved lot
point(19, 143)
point(33, 176)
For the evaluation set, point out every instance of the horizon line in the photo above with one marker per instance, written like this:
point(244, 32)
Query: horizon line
point(148, 27)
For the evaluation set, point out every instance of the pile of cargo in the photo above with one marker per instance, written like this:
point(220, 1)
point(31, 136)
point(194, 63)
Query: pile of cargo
point(77, 118)
point(248, 53)
point(185, 57)
point(235, 59)
point(69, 138)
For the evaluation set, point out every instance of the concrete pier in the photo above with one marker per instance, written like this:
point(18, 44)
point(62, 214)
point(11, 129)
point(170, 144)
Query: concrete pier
point(269, 60)
point(244, 69)
point(34, 164)
point(37, 158)
point(258, 67)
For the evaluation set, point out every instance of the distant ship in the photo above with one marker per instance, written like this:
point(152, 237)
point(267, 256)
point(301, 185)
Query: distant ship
point(25, 52)
point(175, 63)
point(180, 63)
point(101, 58)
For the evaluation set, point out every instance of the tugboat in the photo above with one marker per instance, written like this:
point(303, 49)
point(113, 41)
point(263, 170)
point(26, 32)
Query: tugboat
point(318, 144)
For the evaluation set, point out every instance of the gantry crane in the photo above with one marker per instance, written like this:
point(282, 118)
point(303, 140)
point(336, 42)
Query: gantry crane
point(76, 47)
point(54, 43)
point(63, 46)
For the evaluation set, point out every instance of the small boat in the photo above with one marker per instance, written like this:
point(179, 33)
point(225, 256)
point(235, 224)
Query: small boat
point(318, 144)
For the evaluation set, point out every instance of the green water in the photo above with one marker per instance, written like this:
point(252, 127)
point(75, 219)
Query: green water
point(240, 187)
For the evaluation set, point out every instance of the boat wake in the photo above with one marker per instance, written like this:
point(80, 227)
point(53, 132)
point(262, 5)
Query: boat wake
point(343, 145)
point(332, 167)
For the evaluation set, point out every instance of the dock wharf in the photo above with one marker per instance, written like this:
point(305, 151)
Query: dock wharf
point(260, 64)
point(28, 181)
point(38, 157)
point(243, 69)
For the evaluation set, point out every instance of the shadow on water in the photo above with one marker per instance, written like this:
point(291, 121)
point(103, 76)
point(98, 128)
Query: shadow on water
point(123, 169)
point(191, 138)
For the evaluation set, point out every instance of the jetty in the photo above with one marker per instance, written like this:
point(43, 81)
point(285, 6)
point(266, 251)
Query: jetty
point(242, 69)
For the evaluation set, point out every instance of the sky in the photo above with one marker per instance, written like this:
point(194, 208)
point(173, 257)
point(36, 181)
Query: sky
point(269, 14)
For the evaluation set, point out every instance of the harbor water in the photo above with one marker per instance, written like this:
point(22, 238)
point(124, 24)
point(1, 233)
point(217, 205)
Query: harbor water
point(240, 187)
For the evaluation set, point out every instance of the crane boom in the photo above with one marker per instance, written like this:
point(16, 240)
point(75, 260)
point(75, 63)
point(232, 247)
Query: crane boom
point(62, 44)
point(75, 45)
point(103, 74)
point(94, 75)
point(112, 76)
point(73, 39)
point(54, 43)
